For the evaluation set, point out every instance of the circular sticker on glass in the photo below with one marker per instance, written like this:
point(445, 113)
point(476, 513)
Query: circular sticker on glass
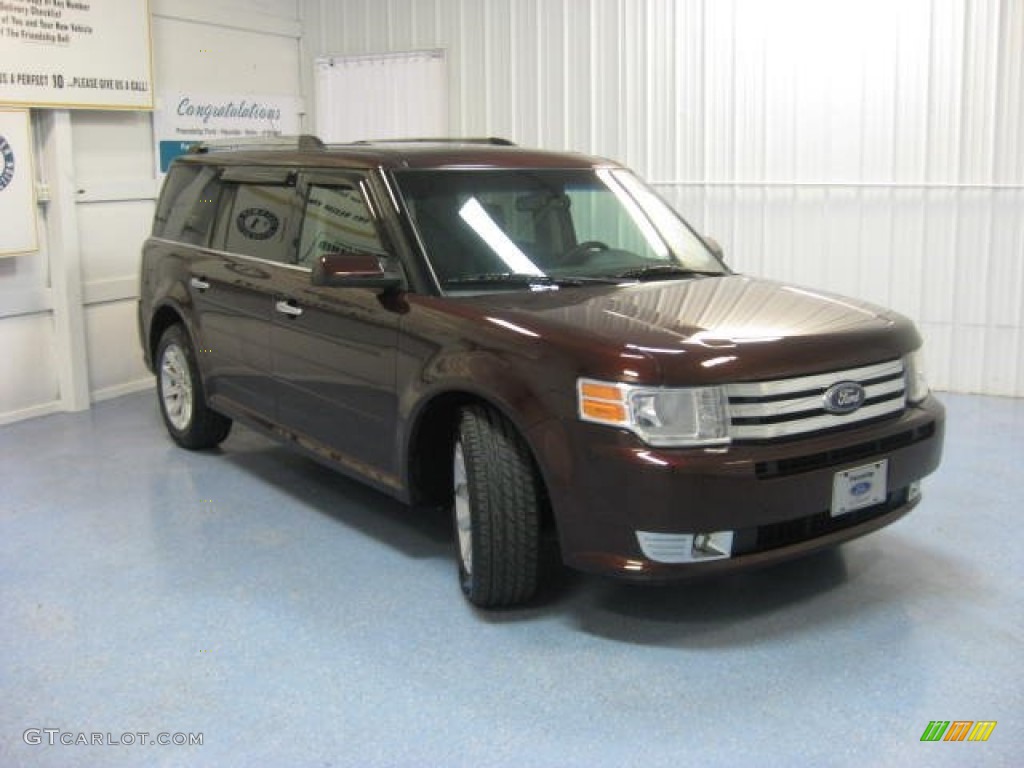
point(8, 155)
point(257, 223)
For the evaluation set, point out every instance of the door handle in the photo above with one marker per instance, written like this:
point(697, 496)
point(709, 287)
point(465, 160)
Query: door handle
point(198, 283)
point(288, 308)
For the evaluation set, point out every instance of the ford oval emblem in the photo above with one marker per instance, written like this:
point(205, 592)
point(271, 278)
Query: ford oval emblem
point(844, 397)
point(859, 489)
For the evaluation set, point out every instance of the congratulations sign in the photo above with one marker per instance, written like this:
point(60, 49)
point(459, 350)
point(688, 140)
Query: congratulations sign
point(17, 184)
point(183, 119)
point(71, 53)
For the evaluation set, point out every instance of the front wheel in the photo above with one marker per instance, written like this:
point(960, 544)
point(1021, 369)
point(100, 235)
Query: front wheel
point(190, 423)
point(498, 496)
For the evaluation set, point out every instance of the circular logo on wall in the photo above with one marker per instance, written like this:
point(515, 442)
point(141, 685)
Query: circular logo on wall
point(8, 154)
point(257, 223)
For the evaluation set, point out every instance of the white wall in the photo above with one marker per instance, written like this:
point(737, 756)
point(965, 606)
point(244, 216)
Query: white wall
point(68, 330)
point(875, 149)
point(872, 148)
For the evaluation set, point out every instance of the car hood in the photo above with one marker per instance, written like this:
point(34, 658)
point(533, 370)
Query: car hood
point(709, 329)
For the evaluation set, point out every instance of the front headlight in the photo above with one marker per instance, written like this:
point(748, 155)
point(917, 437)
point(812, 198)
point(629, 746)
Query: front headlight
point(913, 372)
point(659, 416)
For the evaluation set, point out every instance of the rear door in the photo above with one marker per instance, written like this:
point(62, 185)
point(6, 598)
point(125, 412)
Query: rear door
point(335, 348)
point(234, 285)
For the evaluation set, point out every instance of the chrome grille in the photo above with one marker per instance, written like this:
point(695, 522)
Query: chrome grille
point(772, 410)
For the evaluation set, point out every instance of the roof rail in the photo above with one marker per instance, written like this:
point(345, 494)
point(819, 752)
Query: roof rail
point(493, 140)
point(303, 143)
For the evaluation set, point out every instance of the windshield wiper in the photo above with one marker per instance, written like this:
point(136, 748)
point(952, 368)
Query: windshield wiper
point(658, 271)
point(524, 279)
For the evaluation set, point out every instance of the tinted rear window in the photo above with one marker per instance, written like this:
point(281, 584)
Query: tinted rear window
point(188, 204)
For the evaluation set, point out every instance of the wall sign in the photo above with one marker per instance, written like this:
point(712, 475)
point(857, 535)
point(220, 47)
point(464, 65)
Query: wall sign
point(182, 119)
point(73, 53)
point(17, 184)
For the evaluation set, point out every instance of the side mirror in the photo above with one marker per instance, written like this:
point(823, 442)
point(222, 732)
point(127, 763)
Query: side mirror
point(354, 270)
point(715, 247)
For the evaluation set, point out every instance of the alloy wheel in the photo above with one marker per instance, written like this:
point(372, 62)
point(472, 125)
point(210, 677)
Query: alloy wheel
point(176, 387)
point(463, 516)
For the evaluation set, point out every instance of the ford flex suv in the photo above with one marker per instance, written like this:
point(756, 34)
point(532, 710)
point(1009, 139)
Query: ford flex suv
point(536, 341)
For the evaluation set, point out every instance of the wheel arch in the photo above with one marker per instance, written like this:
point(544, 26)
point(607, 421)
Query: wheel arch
point(163, 318)
point(431, 439)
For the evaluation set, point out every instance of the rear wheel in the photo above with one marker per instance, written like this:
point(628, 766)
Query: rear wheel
point(497, 503)
point(190, 423)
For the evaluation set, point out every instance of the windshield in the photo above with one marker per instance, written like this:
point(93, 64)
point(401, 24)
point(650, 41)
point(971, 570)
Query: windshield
point(481, 228)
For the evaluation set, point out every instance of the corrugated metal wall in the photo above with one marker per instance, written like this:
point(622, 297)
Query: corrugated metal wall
point(872, 148)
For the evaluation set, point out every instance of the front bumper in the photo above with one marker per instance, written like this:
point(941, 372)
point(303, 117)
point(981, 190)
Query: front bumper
point(770, 502)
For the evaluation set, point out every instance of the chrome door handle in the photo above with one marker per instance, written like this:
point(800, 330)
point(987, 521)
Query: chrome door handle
point(287, 308)
point(198, 283)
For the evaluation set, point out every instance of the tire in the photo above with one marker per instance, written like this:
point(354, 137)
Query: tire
point(189, 421)
point(496, 508)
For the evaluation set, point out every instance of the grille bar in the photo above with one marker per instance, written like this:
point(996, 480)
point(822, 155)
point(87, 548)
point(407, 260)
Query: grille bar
point(811, 404)
point(773, 410)
point(822, 381)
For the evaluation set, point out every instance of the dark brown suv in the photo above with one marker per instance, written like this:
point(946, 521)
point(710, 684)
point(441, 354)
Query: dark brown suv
point(535, 340)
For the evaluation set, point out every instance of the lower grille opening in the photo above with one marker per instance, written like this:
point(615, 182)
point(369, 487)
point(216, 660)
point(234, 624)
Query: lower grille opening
point(748, 541)
point(798, 464)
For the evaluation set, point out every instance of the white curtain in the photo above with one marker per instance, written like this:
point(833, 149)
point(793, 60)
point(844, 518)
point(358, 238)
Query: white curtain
point(382, 96)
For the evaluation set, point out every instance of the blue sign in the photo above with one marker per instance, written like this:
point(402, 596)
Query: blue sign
point(170, 150)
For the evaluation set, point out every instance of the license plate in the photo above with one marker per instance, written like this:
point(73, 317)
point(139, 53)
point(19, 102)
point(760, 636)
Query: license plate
point(859, 487)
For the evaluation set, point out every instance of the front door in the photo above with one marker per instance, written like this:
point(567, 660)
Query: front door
point(335, 348)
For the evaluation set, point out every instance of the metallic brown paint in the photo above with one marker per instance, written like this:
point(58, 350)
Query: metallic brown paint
point(351, 380)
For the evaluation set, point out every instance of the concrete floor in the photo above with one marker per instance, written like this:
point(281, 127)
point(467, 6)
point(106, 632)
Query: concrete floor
point(295, 618)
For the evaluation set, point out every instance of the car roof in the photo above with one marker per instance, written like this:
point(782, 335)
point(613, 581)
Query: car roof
point(447, 154)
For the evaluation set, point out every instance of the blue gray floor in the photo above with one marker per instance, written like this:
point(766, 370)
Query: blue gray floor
point(293, 618)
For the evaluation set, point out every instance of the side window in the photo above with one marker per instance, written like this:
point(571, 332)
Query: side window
point(254, 220)
point(337, 219)
point(188, 204)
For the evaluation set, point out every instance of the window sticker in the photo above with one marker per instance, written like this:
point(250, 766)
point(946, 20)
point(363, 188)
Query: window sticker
point(257, 223)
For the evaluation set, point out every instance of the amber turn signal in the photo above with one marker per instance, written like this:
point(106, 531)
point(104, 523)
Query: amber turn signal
point(603, 403)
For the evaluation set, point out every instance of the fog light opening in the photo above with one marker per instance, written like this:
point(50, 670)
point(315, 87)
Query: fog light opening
point(685, 547)
point(712, 545)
